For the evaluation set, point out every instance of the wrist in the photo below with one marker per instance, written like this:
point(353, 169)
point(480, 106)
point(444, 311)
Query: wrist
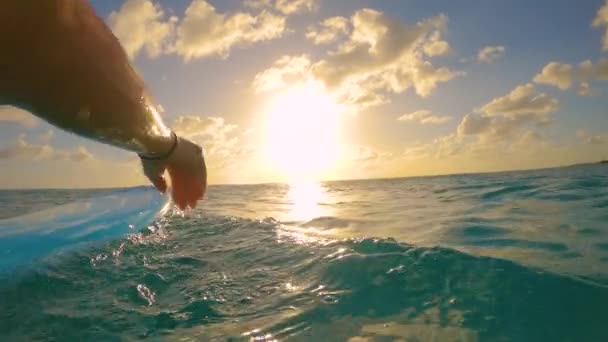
point(160, 148)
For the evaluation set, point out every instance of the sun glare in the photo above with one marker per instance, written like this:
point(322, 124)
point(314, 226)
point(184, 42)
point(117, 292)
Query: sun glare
point(302, 131)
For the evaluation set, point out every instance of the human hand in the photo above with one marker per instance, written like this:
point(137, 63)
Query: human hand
point(187, 170)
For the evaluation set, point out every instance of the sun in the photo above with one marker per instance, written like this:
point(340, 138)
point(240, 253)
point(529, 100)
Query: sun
point(303, 131)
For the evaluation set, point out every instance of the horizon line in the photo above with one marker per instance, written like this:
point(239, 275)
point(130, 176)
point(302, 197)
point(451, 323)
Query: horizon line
point(601, 162)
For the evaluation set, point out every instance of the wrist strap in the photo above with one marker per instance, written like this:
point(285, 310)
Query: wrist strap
point(161, 156)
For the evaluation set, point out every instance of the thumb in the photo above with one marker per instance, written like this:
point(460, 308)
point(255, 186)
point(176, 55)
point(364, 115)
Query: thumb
point(155, 170)
point(160, 183)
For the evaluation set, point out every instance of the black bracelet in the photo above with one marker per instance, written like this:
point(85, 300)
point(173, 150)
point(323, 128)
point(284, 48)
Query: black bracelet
point(162, 156)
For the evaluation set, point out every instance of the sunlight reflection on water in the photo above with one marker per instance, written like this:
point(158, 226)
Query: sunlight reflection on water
point(304, 199)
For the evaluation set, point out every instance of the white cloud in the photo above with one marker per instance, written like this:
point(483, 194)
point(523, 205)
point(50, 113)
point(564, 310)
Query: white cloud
point(522, 100)
point(79, 154)
point(16, 115)
point(380, 56)
point(383, 54)
point(193, 126)
point(258, 4)
point(286, 70)
point(367, 157)
point(219, 141)
point(482, 137)
point(417, 151)
point(473, 124)
point(328, 30)
point(529, 139)
point(508, 124)
point(295, 6)
point(141, 24)
point(556, 74)
point(205, 32)
point(424, 117)
point(509, 132)
point(584, 89)
point(436, 46)
point(46, 137)
point(601, 21)
point(492, 129)
point(564, 76)
point(592, 138)
point(440, 148)
point(284, 6)
point(24, 149)
point(489, 54)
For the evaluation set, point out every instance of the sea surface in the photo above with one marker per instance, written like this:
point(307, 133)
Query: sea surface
point(517, 256)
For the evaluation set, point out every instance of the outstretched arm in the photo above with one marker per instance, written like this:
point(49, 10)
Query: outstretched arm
point(61, 62)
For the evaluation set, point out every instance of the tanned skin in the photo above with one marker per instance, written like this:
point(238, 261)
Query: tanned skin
point(62, 63)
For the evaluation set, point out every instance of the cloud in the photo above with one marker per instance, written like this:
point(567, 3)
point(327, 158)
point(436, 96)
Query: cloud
point(202, 32)
point(18, 116)
point(436, 46)
point(142, 25)
point(258, 4)
point(508, 124)
point(79, 154)
point(529, 139)
point(205, 32)
point(46, 137)
point(26, 150)
point(563, 76)
point(424, 117)
point(473, 124)
point(328, 30)
point(492, 129)
point(482, 137)
point(601, 21)
point(440, 148)
point(489, 54)
point(193, 126)
point(219, 141)
point(381, 55)
point(584, 89)
point(417, 151)
point(286, 70)
point(524, 99)
point(295, 6)
point(284, 6)
point(367, 157)
point(556, 74)
point(592, 138)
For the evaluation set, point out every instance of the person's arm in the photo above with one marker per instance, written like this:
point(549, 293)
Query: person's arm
point(61, 62)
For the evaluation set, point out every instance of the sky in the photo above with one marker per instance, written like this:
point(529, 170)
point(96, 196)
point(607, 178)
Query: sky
point(285, 90)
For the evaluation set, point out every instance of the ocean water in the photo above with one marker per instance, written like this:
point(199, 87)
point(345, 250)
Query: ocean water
point(519, 256)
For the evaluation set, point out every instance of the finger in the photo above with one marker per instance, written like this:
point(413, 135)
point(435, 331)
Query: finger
point(194, 197)
point(201, 188)
point(178, 197)
point(160, 183)
point(180, 192)
point(196, 191)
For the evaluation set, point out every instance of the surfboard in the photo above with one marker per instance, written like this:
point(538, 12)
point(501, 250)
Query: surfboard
point(25, 238)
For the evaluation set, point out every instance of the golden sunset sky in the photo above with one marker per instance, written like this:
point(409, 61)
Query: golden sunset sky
point(285, 90)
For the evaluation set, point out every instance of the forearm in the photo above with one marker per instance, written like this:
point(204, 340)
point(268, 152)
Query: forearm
point(63, 64)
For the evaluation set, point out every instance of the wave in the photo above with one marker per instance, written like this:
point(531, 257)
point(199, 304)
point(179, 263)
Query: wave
point(219, 277)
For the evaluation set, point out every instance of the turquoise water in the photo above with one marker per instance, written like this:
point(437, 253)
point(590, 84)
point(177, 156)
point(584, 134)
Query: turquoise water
point(517, 256)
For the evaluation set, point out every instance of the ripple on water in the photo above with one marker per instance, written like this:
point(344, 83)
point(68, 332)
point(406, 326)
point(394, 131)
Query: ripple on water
point(213, 276)
point(541, 245)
